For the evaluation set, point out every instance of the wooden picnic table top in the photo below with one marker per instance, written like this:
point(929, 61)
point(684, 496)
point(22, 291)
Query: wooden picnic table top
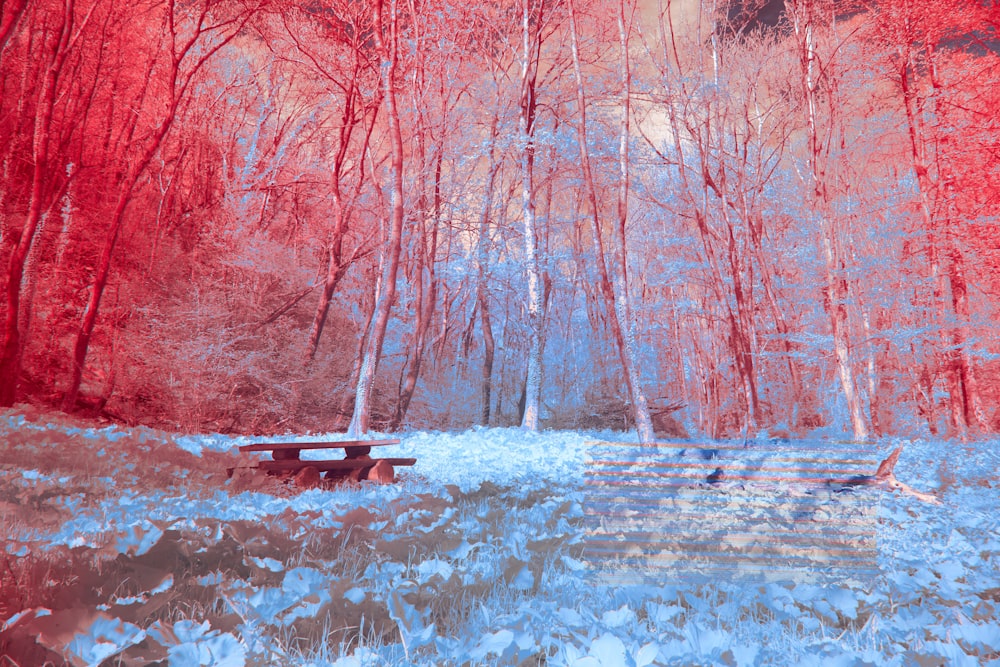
point(324, 444)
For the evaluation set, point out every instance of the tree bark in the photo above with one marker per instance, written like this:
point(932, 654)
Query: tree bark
point(835, 298)
point(335, 267)
point(383, 309)
point(425, 287)
point(766, 273)
point(531, 45)
point(835, 291)
point(482, 261)
point(177, 86)
point(9, 18)
point(10, 355)
point(697, 184)
point(966, 404)
point(368, 308)
point(972, 406)
point(426, 241)
point(623, 309)
point(354, 113)
point(619, 315)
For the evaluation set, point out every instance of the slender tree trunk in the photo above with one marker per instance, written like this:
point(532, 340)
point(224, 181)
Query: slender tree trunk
point(966, 405)
point(102, 272)
point(972, 404)
point(178, 84)
point(41, 249)
point(335, 270)
point(923, 391)
point(336, 264)
point(644, 424)
point(489, 345)
point(709, 403)
point(743, 324)
point(742, 337)
point(739, 347)
point(10, 354)
point(741, 319)
point(619, 315)
point(873, 397)
point(738, 338)
point(9, 18)
point(383, 309)
point(367, 307)
point(531, 45)
point(835, 290)
point(103, 268)
point(426, 280)
point(425, 288)
point(482, 261)
point(835, 301)
point(780, 323)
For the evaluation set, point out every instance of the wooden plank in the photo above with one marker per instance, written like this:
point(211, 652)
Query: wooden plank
point(336, 464)
point(328, 444)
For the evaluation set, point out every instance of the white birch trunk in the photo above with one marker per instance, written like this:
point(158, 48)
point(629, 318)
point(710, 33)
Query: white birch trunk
point(640, 409)
point(526, 125)
point(835, 289)
point(383, 308)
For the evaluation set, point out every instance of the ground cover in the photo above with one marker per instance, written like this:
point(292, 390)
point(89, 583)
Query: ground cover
point(132, 547)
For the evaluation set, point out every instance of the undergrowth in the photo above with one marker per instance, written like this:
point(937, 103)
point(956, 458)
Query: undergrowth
point(177, 558)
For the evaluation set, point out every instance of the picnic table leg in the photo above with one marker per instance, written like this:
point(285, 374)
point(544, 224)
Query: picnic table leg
point(381, 473)
point(358, 452)
point(307, 478)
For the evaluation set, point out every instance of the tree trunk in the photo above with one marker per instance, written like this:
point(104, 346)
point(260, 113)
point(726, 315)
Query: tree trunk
point(531, 45)
point(780, 323)
point(925, 398)
point(482, 260)
point(966, 405)
point(426, 280)
point(9, 19)
point(426, 299)
point(835, 291)
point(178, 85)
point(962, 365)
point(383, 309)
point(367, 307)
point(835, 298)
point(623, 309)
point(335, 270)
point(337, 265)
point(738, 334)
point(10, 354)
point(101, 274)
point(619, 316)
point(873, 396)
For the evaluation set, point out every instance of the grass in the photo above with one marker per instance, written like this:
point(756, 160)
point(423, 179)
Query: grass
point(460, 558)
point(230, 553)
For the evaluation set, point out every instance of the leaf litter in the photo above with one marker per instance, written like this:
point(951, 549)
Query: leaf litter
point(132, 547)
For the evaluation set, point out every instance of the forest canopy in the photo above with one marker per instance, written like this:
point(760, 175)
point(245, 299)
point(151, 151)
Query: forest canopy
point(278, 215)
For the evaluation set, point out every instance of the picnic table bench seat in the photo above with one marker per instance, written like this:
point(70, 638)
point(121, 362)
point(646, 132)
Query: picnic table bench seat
point(331, 464)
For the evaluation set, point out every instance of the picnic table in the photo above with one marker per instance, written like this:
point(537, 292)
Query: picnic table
point(356, 465)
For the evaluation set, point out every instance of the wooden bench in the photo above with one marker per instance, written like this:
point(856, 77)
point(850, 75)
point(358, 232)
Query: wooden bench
point(356, 465)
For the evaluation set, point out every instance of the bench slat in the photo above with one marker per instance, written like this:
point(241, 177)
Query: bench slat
point(337, 464)
point(328, 444)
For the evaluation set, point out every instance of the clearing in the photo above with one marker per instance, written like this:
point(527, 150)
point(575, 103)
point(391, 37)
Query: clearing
point(129, 546)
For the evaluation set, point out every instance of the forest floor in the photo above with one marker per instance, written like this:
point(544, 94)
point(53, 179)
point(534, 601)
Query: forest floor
point(128, 546)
